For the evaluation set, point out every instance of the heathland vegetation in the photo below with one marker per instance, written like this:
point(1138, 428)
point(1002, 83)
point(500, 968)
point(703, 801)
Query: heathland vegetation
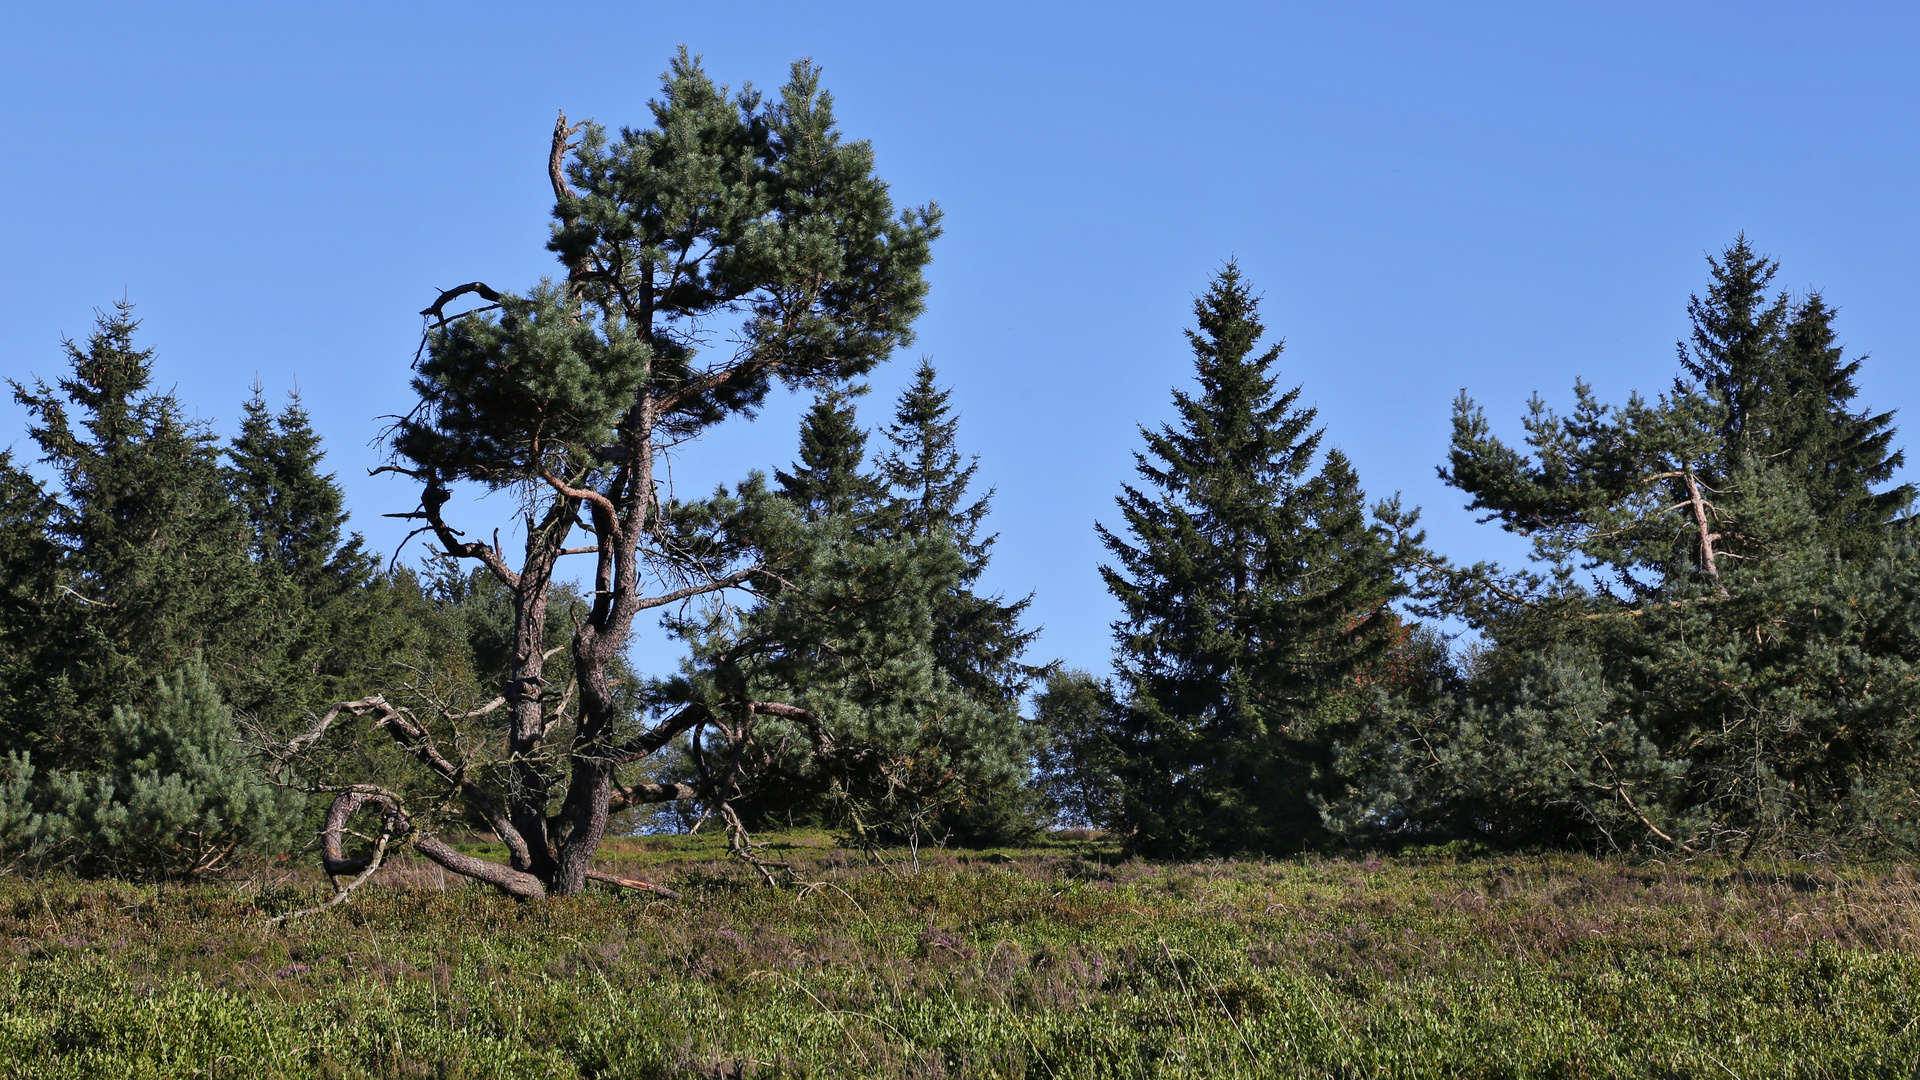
point(1644, 798)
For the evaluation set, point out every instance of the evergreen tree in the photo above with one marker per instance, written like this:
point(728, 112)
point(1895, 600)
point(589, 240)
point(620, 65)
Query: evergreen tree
point(1254, 592)
point(297, 513)
point(328, 626)
point(978, 640)
point(830, 479)
point(1722, 589)
point(178, 794)
point(832, 490)
point(153, 554)
point(727, 204)
point(32, 631)
point(1787, 388)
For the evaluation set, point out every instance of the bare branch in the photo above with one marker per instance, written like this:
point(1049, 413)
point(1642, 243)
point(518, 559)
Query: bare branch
point(390, 823)
point(82, 599)
point(713, 585)
point(632, 883)
point(437, 309)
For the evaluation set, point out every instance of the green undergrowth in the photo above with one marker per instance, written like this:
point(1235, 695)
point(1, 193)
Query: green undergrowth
point(1053, 962)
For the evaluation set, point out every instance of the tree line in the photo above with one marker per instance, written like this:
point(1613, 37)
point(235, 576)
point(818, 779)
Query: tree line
point(1711, 650)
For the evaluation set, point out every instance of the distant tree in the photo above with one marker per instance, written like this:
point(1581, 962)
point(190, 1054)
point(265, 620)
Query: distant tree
point(1079, 762)
point(1254, 590)
point(328, 624)
point(831, 478)
point(979, 639)
point(297, 513)
point(566, 394)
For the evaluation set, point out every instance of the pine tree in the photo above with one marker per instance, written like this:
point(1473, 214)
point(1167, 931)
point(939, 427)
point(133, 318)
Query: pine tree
point(1722, 614)
point(1253, 590)
point(728, 205)
point(178, 794)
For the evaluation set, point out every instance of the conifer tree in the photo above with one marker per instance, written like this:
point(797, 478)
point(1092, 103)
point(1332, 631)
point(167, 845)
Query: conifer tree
point(978, 639)
point(833, 490)
point(729, 203)
point(153, 558)
point(32, 632)
point(1787, 390)
point(1722, 589)
point(830, 479)
point(1253, 591)
point(297, 513)
point(328, 624)
point(178, 794)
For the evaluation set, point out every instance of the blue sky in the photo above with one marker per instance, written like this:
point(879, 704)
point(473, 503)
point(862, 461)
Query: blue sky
point(1431, 197)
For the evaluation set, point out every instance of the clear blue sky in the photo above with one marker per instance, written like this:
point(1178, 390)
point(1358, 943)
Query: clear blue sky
point(1431, 197)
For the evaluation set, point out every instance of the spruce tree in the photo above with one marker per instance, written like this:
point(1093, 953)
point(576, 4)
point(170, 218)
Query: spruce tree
point(978, 640)
point(153, 553)
point(924, 519)
point(297, 513)
point(1254, 593)
point(33, 632)
point(329, 625)
point(830, 479)
point(1787, 391)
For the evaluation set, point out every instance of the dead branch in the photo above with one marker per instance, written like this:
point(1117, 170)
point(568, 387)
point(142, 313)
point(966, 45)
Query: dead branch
point(1707, 537)
point(389, 823)
point(632, 883)
point(557, 156)
point(393, 822)
point(82, 599)
point(437, 309)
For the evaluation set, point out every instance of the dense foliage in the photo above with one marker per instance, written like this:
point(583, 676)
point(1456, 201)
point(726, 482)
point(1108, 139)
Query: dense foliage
point(1717, 649)
point(1714, 647)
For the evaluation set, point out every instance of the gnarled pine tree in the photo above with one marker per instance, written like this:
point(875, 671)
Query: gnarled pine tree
point(725, 208)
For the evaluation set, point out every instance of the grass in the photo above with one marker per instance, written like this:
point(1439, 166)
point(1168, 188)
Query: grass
point(1052, 962)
